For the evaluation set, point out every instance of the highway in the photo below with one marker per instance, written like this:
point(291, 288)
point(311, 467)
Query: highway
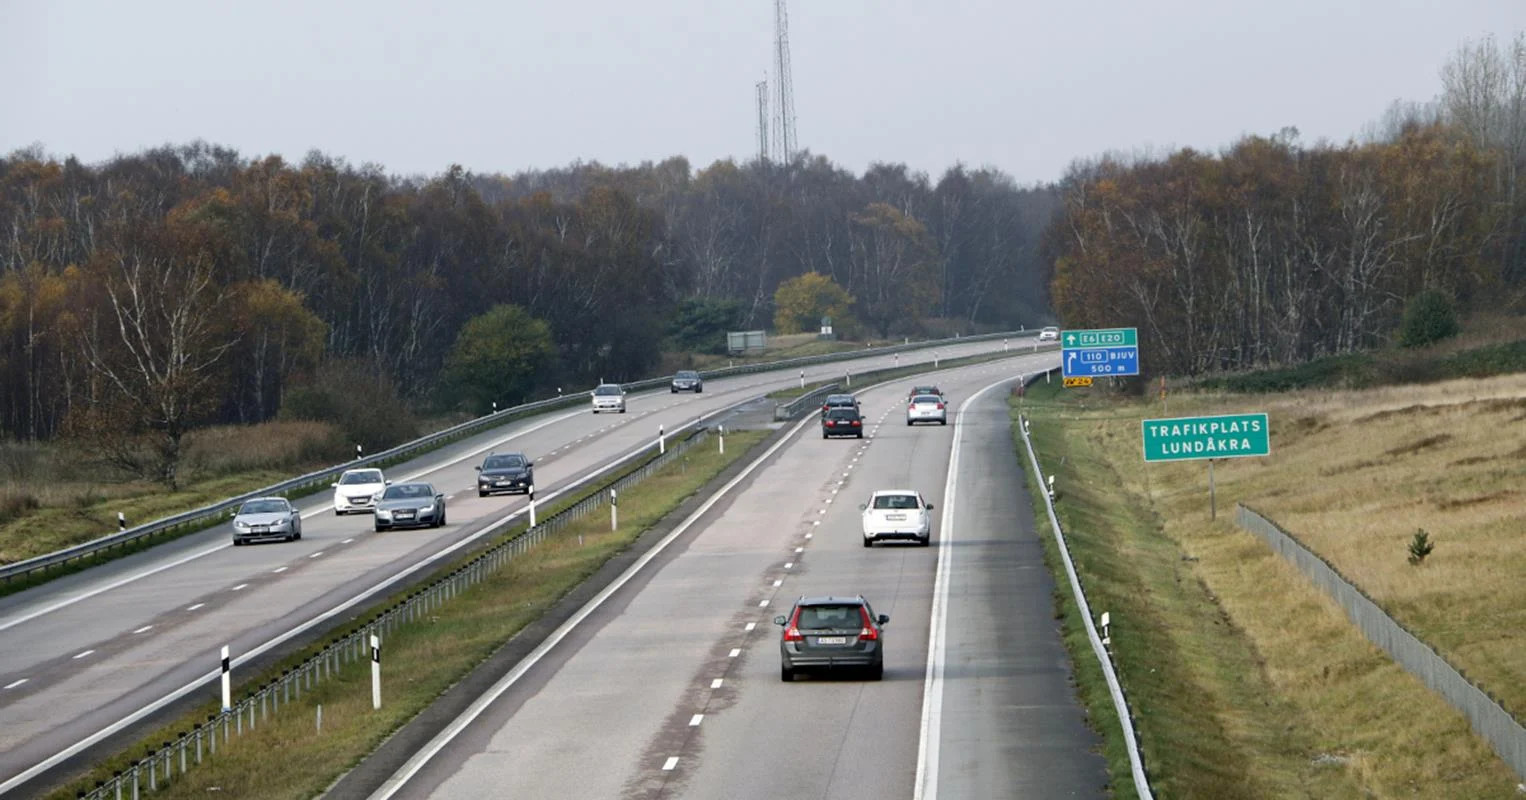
point(93, 653)
point(671, 687)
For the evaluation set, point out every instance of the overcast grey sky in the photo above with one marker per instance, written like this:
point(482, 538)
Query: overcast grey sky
point(513, 85)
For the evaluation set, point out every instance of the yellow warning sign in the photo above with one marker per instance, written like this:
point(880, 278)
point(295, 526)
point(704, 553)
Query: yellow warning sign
point(1082, 381)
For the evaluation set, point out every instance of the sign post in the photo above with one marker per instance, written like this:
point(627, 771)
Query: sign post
point(1194, 438)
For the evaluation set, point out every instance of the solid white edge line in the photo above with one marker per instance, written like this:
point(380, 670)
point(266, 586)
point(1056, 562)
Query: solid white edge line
point(14, 684)
point(926, 786)
point(481, 704)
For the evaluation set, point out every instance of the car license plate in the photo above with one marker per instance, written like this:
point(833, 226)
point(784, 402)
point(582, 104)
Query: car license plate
point(831, 640)
point(896, 517)
point(404, 515)
point(259, 528)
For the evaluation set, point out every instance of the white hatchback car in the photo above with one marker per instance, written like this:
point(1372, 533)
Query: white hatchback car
point(1050, 334)
point(927, 408)
point(356, 490)
point(609, 397)
point(897, 514)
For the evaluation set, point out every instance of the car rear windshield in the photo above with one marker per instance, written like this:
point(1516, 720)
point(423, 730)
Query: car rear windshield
point(842, 413)
point(896, 501)
point(841, 400)
point(503, 462)
point(264, 507)
point(363, 476)
point(829, 617)
point(607, 389)
point(404, 490)
point(927, 398)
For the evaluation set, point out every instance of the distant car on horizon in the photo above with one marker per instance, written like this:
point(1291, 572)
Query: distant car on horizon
point(356, 490)
point(265, 518)
point(608, 397)
point(839, 401)
point(687, 380)
point(505, 472)
point(1049, 334)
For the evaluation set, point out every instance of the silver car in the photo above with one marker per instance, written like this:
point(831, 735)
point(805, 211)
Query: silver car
point(927, 408)
point(609, 397)
point(410, 505)
point(266, 518)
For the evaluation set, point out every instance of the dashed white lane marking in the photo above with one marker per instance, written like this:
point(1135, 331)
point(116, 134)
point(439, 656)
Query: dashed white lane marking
point(667, 766)
point(735, 651)
point(800, 549)
point(834, 491)
point(14, 684)
point(694, 720)
point(750, 626)
point(829, 501)
point(82, 655)
point(279, 570)
point(239, 588)
point(762, 604)
point(810, 535)
point(817, 522)
point(789, 564)
point(193, 608)
point(347, 541)
point(716, 684)
point(144, 629)
point(777, 583)
point(315, 555)
point(822, 511)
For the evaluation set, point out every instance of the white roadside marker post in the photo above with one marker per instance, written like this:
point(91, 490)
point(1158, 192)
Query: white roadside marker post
point(121, 521)
point(662, 441)
point(532, 505)
point(227, 681)
point(802, 379)
point(614, 511)
point(375, 671)
point(721, 429)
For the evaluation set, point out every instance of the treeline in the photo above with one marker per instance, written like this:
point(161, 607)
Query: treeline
point(188, 285)
point(1274, 253)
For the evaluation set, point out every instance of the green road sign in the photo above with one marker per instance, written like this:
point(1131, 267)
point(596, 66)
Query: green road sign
point(1104, 337)
point(1182, 438)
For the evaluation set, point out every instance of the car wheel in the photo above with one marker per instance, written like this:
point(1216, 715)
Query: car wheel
point(925, 541)
point(298, 537)
point(860, 435)
point(675, 391)
point(877, 671)
point(481, 494)
point(378, 528)
point(908, 423)
point(786, 674)
point(824, 435)
point(868, 541)
point(238, 542)
point(943, 421)
point(622, 411)
point(700, 390)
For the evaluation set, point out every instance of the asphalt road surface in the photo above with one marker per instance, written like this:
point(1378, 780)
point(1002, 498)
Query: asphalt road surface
point(95, 653)
point(671, 687)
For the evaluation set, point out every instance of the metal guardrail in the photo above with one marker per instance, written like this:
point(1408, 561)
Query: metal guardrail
point(201, 516)
point(159, 766)
point(1115, 688)
point(811, 399)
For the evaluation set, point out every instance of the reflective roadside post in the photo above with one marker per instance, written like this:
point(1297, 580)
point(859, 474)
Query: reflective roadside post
point(532, 505)
point(495, 406)
point(721, 429)
point(227, 681)
point(357, 451)
point(121, 521)
point(662, 441)
point(802, 379)
point(614, 511)
point(375, 671)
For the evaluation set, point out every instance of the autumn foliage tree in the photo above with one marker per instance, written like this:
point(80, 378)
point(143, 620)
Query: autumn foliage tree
point(801, 302)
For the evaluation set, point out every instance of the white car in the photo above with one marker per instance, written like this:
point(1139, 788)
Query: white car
point(927, 408)
point(897, 514)
point(1050, 334)
point(609, 397)
point(356, 490)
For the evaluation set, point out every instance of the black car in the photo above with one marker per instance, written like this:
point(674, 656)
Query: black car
point(842, 422)
point(687, 380)
point(832, 633)
point(505, 472)
point(839, 401)
point(925, 388)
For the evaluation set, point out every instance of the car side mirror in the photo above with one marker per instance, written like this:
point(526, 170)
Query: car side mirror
point(529, 463)
point(863, 506)
point(334, 486)
point(780, 620)
point(883, 619)
point(386, 483)
point(478, 468)
point(929, 506)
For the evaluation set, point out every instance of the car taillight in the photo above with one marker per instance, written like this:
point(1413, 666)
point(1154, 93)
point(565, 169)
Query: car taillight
point(940, 406)
point(912, 407)
point(867, 633)
point(791, 632)
point(857, 423)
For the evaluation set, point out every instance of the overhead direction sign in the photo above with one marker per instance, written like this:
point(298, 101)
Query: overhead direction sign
point(1227, 436)
point(1105, 352)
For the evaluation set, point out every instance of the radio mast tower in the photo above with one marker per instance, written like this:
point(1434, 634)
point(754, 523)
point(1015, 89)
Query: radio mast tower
point(784, 119)
point(762, 87)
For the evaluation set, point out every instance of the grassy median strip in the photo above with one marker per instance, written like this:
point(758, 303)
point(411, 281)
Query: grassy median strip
point(1244, 680)
point(287, 756)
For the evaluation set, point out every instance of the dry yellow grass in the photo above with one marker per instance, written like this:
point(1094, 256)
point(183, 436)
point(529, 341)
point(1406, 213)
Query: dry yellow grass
point(1352, 474)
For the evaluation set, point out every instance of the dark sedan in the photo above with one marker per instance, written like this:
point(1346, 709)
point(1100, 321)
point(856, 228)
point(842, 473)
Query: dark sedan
point(842, 422)
point(687, 380)
point(410, 505)
point(505, 472)
point(832, 633)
